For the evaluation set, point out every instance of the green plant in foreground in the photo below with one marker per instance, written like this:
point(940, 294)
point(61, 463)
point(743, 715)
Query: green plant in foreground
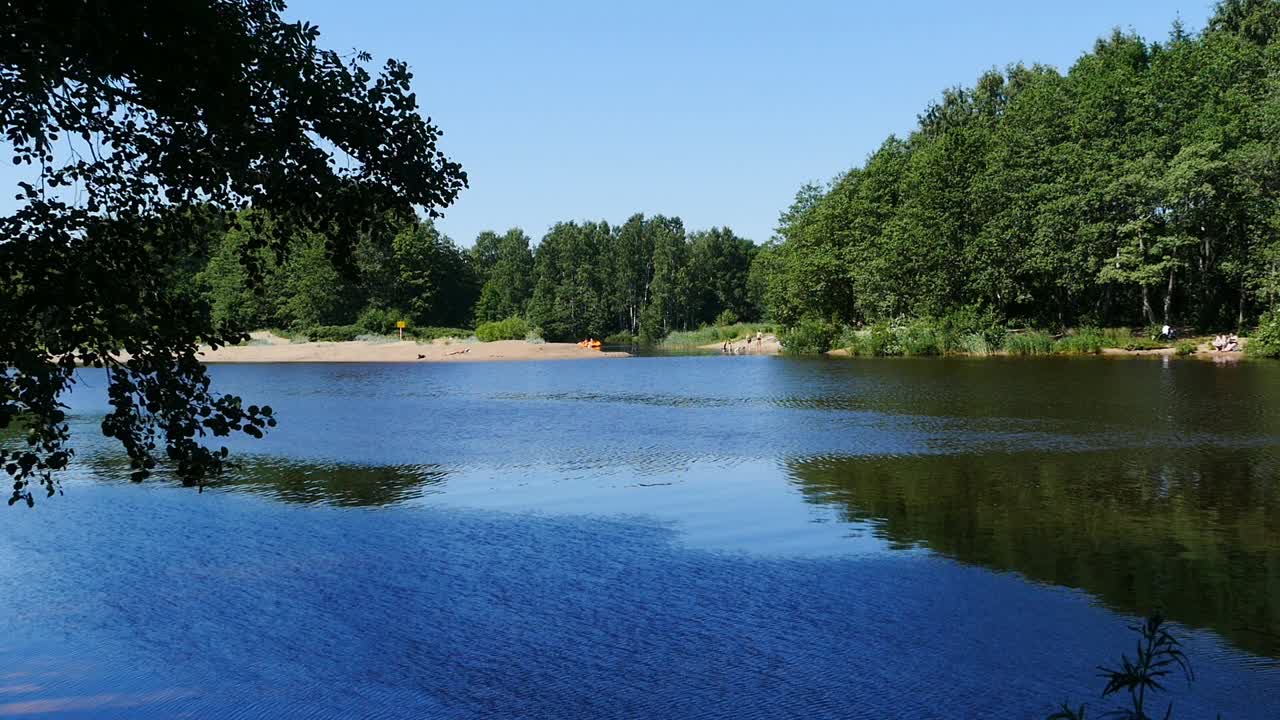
point(1185, 347)
point(1159, 656)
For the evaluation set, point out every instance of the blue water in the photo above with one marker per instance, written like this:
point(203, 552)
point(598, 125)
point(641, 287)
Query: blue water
point(694, 537)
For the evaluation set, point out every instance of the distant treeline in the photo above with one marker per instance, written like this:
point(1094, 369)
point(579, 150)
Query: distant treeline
point(1141, 187)
point(645, 277)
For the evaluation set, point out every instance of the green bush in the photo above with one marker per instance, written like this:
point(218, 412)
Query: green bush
point(621, 338)
point(1141, 343)
point(881, 341)
point(710, 334)
point(809, 337)
point(513, 328)
point(967, 321)
point(849, 339)
point(1114, 337)
point(921, 338)
point(427, 334)
point(333, 333)
point(974, 344)
point(726, 318)
point(1083, 341)
point(1032, 342)
point(1185, 347)
point(379, 321)
point(1265, 341)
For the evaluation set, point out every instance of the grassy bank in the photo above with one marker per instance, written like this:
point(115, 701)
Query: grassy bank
point(926, 338)
point(712, 334)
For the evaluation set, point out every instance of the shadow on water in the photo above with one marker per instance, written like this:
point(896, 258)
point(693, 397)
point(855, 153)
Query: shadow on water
point(307, 483)
point(340, 485)
point(1196, 533)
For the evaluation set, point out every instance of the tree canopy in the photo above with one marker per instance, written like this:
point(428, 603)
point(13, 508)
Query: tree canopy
point(140, 126)
point(1141, 186)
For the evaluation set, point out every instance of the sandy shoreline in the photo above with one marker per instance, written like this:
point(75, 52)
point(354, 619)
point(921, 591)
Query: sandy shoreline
point(267, 348)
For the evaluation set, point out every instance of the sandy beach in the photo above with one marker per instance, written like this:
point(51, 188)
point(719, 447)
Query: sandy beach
point(268, 348)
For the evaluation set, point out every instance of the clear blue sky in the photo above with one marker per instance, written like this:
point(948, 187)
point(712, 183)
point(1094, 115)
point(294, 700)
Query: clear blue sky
point(716, 112)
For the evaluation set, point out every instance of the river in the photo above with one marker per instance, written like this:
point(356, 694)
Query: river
point(671, 537)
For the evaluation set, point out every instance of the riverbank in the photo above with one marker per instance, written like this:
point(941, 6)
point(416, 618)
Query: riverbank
point(769, 344)
point(267, 348)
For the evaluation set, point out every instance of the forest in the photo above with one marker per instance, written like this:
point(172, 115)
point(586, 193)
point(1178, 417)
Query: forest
point(1139, 188)
point(641, 279)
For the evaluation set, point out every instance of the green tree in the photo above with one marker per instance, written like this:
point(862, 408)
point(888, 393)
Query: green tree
point(435, 281)
point(218, 106)
point(569, 294)
point(508, 283)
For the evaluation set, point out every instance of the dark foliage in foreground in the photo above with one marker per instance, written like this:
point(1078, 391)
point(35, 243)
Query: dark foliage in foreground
point(140, 124)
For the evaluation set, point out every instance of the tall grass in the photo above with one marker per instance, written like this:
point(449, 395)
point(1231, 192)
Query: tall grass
point(1115, 337)
point(974, 344)
point(1032, 342)
point(710, 334)
point(1084, 341)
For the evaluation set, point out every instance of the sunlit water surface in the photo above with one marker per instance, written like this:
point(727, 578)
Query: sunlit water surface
point(691, 537)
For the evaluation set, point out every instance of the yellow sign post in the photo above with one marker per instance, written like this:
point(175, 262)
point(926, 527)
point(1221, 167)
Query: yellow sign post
point(401, 325)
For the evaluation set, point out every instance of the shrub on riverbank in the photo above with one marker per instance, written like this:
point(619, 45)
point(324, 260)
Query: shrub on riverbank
point(1032, 342)
point(333, 333)
point(810, 336)
point(379, 321)
point(709, 334)
point(1085, 341)
point(974, 344)
point(621, 338)
point(922, 338)
point(1185, 347)
point(427, 334)
point(1265, 341)
point(513, 328)
point(965, 332)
